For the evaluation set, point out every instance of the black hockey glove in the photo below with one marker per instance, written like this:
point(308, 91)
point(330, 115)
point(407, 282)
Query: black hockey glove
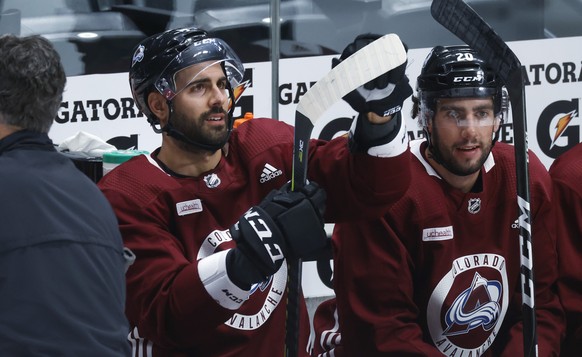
point(383, 95)
point(299, 215)
point(286, 223)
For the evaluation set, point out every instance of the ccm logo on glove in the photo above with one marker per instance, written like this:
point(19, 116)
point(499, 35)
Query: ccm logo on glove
point(264, 233)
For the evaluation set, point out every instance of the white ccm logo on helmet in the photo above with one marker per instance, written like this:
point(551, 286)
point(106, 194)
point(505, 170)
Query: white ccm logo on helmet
point(265, 234)
point(463, 57)
point(468, 79)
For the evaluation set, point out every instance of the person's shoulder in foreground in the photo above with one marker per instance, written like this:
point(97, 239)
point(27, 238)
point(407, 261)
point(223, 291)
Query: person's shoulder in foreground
point(62, 263)
point(566, 173)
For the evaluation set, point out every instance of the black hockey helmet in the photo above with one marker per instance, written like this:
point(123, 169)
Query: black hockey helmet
point(455, 72)
point(158, 58)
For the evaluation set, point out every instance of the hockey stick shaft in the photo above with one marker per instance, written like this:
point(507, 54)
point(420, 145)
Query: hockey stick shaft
point(467, 25)
point(375, 59)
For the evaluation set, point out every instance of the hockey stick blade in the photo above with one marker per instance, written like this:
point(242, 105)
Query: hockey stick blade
point(467, 25)
point(459, 18)
point(375, 59)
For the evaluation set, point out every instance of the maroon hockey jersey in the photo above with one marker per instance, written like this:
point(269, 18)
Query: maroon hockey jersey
point(440, 274)
point(566, 172)
point(171, 222)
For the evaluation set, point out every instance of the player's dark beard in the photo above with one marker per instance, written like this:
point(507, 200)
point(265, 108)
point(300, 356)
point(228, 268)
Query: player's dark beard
point(197, 132)
point(450, 163)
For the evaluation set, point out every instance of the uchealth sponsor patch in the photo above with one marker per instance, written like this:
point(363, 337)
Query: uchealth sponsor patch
point(189, 207)
point(437, 233)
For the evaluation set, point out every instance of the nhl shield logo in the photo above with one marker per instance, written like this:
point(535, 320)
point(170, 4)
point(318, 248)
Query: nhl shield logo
point(212, 180)
point(474, 205)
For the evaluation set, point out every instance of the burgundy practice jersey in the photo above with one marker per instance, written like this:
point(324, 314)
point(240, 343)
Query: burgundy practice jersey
point(440, 274)
point(170, 222)
point(566, 172)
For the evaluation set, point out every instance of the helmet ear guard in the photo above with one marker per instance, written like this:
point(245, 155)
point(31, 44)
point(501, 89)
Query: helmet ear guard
point(503, 106)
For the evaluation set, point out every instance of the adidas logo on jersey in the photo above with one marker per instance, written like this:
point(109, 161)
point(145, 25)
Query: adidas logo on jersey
point(269, 173)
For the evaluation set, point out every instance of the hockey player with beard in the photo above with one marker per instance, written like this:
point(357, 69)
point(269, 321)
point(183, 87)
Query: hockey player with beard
point(439, 274)
point(209, 214)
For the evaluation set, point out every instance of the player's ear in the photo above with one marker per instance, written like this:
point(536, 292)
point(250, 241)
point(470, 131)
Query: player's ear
point(429, 123)
point(158, 106)
point(496, 126)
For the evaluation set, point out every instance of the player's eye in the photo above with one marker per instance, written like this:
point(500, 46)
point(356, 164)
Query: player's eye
point(453, 115)
point(198, 88)
point(483, 114)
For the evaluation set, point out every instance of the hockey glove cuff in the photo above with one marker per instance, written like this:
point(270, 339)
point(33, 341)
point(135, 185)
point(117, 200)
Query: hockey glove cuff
point(364, 135)
point(214, 274)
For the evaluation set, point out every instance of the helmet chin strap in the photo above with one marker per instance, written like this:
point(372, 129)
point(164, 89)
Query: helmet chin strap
point(173, 132)
point(434, 154)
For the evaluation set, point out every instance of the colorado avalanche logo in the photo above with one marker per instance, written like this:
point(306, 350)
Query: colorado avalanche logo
point(270, 291)
point(476, 306)
point(261, 286)
point(138, 56)
point(467, 307)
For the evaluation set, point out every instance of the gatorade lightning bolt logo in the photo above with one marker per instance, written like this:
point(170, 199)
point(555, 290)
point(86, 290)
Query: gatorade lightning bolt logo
point(562, 125)
point(558, 127)
point(238, 91)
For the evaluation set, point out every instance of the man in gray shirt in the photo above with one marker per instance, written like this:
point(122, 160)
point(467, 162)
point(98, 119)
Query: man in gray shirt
point(62, 282)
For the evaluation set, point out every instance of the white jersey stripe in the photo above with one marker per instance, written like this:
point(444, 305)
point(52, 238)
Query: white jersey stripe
point(331, 338)
point(137, 344)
